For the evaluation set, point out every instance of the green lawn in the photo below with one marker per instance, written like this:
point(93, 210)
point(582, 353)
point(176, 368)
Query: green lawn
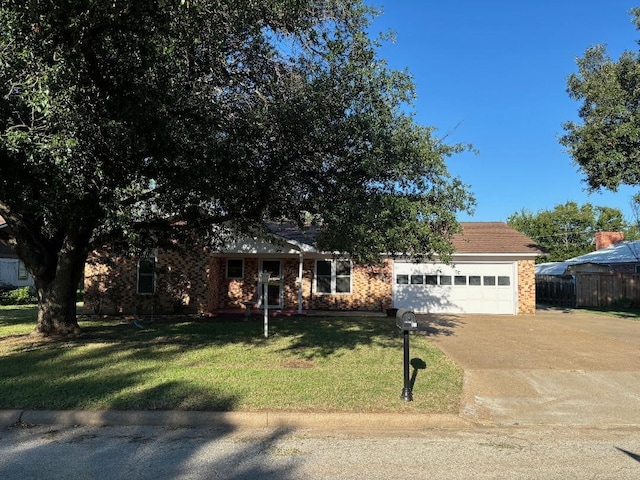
point(627, 313)
point(327, 364)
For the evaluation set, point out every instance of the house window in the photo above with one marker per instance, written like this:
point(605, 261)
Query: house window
point(147, 276)
point(402, 279)
point(333, 276)
point(417, 279)
point(459, 280)
point(22, 271)
point(445, 279)
point(489, 280)
point(235, 268)
point(504, 281)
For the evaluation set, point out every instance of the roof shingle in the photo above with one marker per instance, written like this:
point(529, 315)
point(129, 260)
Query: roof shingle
point(476, 238)
point(493, 237)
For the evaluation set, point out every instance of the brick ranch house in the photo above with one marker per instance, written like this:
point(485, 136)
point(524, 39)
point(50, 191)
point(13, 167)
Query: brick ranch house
point(492, 272)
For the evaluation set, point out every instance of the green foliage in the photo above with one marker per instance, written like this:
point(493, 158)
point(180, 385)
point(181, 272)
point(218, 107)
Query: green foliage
point(19, 296)
point(138, 111)
point(568, 230)
point(606, 145)
point(116, 116)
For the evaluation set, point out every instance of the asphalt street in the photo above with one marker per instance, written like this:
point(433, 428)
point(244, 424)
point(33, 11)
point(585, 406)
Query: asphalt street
point(155, 452)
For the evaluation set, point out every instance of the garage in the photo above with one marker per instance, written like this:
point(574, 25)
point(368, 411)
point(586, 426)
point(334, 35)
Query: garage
point(473, 287)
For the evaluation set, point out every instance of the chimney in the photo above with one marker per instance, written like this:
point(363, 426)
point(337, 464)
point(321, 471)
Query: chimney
point(606, 239)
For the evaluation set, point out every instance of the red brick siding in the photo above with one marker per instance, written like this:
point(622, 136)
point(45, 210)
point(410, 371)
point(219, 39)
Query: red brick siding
point(230, 292)
point(526, 287)
point(181, 279)
point(370, 285)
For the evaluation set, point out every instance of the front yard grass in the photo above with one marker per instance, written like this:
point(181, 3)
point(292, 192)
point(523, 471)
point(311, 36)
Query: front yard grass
point(308, 364)
point(626, 313)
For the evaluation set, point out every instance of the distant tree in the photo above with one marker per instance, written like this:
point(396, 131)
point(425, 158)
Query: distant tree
point(118, 115)
point(606, 145)
point(569, 229)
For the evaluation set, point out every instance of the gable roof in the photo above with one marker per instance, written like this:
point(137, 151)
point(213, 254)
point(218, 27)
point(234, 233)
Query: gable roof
point(476, 238)
point(619, 253)
point(622, 252)
point(552, 268)
point(493, 237)
point(294, 235)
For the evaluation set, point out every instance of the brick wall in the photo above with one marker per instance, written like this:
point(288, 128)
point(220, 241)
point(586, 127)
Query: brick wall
point(371, 287)
point(181, 283)
point(199, 282)
point(526, 287)
point(231, 292)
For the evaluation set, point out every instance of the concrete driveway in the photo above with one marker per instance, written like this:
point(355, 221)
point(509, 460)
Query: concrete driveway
point(566, 367)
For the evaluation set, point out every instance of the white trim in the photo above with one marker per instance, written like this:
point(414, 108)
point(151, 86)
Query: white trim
point(334, 276)
point(299, 280)
point(22, 271)
point(257, 246)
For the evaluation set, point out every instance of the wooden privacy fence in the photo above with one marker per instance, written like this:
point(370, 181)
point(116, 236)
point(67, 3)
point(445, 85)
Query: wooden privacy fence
point(589, 290)
point(607, 289)
point(556, 290)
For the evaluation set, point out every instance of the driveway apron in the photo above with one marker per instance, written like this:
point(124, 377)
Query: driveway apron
point(566, 367)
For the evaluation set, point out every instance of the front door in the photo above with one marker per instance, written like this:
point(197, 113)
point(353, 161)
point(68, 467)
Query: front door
point(274, 290)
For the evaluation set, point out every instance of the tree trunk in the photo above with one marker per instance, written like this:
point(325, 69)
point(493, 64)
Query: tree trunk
point(57, 296)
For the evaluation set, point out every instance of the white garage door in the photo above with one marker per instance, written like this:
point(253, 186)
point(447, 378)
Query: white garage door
point(459, 288)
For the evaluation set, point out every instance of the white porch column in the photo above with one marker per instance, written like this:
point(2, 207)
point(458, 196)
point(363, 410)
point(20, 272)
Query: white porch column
point(300, 284)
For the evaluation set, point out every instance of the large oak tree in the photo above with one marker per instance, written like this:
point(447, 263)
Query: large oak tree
point(118, 115)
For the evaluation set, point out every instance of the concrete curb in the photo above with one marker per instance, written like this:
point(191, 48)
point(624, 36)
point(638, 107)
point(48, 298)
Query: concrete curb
point(9, 417)
point(237, 420)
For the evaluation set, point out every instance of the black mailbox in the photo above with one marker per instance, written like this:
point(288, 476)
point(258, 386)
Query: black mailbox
point(406, 320)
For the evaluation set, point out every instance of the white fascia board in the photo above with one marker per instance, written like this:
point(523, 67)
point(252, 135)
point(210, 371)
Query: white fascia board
point(494, 255)
point(258, 246)
point(302, 247)
point(476, 257)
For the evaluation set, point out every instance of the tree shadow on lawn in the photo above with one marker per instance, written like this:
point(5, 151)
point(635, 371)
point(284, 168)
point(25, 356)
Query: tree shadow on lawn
point(322, 337)
point(314, 337)
point(310, 336)
point(323, 334)
point(86, 372)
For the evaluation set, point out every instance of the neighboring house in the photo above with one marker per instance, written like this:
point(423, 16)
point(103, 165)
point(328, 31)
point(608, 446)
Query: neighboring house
point(492, 271)
point(612, 255)
point(605, 277)
point(12, 271)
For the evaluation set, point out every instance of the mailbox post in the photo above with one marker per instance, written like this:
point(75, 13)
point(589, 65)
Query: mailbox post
point(264, 276)
point(406, 321)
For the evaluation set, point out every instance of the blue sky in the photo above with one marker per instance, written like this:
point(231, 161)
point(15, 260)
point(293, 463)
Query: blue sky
point(493, 73)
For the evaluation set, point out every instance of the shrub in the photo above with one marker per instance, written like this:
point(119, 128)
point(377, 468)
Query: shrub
point(19, 296)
